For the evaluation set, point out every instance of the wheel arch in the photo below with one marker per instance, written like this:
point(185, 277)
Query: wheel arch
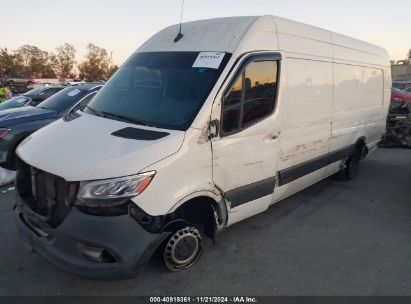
point(360, 147)
point(203, 207)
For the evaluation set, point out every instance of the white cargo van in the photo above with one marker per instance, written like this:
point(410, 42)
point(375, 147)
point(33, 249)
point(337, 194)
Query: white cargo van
point(194, 133)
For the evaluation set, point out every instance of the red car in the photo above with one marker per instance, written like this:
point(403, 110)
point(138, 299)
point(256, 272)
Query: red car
point(397, 95)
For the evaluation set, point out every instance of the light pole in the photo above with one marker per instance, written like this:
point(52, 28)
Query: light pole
point(408, 69)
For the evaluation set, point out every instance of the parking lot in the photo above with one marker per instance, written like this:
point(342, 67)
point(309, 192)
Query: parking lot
point(334, 238)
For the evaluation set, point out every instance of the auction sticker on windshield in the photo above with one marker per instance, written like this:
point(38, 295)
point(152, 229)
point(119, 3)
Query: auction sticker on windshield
point(210, 60)
point(21, 100)
point(73, 92)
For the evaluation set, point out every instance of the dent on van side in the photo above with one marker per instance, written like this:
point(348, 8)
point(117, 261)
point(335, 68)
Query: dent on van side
point(193, 135)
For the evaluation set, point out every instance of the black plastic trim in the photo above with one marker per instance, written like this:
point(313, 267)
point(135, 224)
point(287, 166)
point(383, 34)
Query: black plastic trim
point(250, 192)
point(139, 134)
point(253, 191)
point(127, 242)
point(295, 172)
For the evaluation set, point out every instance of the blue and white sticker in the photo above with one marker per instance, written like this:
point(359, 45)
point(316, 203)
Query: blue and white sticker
point(211, 60)
point(21, 100)
point(73, 92)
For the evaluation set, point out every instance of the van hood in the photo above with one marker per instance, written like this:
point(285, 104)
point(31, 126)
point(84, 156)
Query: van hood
point(86, 149)
point(12, 117)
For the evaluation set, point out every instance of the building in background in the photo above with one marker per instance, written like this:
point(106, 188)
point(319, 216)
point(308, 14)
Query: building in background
point(401, 73)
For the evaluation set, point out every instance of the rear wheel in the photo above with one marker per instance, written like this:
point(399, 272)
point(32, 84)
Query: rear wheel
point(351, 167)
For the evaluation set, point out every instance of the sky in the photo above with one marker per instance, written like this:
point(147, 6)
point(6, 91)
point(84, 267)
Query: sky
point(121, 26)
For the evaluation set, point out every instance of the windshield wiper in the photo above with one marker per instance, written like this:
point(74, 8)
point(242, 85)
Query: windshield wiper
point(120, 117)
point(128, 119)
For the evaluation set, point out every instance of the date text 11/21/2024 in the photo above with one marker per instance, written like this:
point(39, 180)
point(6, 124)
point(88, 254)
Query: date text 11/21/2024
point(205, 299)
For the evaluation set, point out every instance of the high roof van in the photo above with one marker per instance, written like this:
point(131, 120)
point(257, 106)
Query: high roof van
point(198, 130)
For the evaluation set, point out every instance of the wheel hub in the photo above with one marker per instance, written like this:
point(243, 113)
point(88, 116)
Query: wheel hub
point(183, 249)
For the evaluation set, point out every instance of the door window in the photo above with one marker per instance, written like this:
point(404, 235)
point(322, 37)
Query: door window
point(232, 107)
point(251, 97)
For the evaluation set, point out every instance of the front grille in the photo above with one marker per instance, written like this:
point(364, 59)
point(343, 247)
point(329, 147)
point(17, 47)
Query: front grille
point(46, 194)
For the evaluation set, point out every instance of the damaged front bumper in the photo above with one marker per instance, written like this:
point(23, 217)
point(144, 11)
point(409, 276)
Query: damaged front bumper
point(96, 247)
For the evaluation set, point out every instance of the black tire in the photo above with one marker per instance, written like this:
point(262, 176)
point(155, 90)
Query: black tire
point(363, 151)
point(350, 170)
point(351, 167)
point(183, 249)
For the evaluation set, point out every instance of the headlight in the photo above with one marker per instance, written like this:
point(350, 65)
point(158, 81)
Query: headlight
point(113, 191)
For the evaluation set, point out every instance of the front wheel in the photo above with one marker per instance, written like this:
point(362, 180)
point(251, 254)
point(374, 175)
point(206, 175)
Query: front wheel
point(183, 249)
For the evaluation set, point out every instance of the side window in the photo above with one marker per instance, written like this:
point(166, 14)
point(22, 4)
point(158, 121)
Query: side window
point(252, 97)
point(44, 94)
point(232, 107)
point(48, 93)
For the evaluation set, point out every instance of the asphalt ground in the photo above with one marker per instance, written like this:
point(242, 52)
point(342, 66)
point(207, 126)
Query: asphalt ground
point(334, 238)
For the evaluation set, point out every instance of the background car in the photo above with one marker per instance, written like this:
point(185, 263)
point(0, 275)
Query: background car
point(42, 93)
point(398, 131)
point(30, 98)
point(15, 102)
point(18, 84)
point(74, 82)
point(398, 95)
point(17, 124)
point(17, 80)
point(408, 90)
point(401, 84)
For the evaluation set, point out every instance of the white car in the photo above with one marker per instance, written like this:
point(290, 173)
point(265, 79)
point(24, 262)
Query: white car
point(197, 131)
point(75, 82)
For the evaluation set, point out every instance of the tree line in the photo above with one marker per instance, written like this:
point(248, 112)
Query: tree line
point(31, 61)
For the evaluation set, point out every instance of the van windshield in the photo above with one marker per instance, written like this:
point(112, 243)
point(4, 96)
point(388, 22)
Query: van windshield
point(160, 89)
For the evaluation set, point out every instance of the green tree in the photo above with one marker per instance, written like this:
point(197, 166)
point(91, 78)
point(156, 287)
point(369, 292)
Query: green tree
point(96, 65)
point(54, 63)
point(111, 70)
point(66, 54)
point(37, 63)
point(10, 63)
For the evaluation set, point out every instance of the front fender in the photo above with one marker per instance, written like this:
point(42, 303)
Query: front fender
point(180, 178)
point(213, 194)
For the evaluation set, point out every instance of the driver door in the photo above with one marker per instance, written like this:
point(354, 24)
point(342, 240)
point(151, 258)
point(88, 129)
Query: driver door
point(246, 150)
